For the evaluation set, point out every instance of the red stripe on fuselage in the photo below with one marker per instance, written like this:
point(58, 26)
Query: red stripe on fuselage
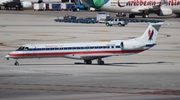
point(39, 53)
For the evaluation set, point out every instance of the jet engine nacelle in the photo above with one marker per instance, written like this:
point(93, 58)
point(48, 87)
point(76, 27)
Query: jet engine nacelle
point(26, 4)
point(131, 45)
point(164, 11)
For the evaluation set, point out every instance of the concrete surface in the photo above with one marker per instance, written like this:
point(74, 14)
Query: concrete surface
point(150, 75)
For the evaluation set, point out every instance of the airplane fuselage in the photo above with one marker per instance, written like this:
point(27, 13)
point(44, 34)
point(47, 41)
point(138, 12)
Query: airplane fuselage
point(74, 50)
point(127, 6)
point(160, 7)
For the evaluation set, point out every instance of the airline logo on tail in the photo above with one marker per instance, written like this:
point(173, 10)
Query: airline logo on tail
point(150, 34)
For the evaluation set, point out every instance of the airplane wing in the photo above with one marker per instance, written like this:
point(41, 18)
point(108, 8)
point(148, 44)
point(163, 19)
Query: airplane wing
point(145, 8)
point(94, 56)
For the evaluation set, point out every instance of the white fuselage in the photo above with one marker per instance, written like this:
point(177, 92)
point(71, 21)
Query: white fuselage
point(130, 6)
point(74, 50)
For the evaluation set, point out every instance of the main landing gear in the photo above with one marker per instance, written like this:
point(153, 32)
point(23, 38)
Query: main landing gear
point(145, 14)
point(99, 61)
point(88, 61)
point(16, 63)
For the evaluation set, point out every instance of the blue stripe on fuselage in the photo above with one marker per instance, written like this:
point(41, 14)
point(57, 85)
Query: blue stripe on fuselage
point(150, 45)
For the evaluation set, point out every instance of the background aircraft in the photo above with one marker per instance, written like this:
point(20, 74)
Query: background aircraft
point(137, 7)
point(24, 3)
point(89, 51)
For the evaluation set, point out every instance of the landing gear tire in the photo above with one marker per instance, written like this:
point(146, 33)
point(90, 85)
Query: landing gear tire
point(100, 62)
point(145, 16)
point(87, 61)
point(177, 15)
point(16, 63)
point(131, 16)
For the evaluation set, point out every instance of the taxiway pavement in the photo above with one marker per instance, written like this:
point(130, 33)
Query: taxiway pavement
point(150, 75)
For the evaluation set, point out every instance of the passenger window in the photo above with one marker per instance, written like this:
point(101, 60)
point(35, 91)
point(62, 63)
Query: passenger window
point(91, 47)
point(86, 47)
point(117, 46)
point(52, 48)
point(69, 48)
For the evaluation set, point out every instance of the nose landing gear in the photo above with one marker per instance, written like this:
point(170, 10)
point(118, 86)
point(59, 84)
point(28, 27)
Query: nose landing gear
point(16, 63)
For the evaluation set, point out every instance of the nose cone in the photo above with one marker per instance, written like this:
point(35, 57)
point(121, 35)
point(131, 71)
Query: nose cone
point(7, 57)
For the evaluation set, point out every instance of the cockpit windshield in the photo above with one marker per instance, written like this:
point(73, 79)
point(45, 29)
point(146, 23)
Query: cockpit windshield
point(23, 48)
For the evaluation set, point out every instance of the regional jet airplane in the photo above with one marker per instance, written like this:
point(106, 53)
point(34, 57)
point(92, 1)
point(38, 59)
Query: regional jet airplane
point(89, 51)
point(137, 7)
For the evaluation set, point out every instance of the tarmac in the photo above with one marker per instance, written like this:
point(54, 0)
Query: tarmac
point(150, 75)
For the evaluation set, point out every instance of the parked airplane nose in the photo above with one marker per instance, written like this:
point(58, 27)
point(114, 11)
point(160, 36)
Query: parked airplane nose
point(95, 3)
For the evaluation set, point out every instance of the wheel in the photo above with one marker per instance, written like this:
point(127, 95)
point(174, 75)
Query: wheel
point(119, 24)
point(177, 15)
point(107, 24)
point(145, 15)
point(100, 61)
point(123, 25)
point(77, 9)
point(88, 62)
point(131, 16)
point(16, 63)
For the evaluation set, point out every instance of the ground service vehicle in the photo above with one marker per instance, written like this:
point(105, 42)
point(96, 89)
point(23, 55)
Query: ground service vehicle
point(116, 21)
point(77, 7)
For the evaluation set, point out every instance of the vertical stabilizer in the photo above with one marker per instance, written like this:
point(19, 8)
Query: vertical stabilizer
point(150, 35)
